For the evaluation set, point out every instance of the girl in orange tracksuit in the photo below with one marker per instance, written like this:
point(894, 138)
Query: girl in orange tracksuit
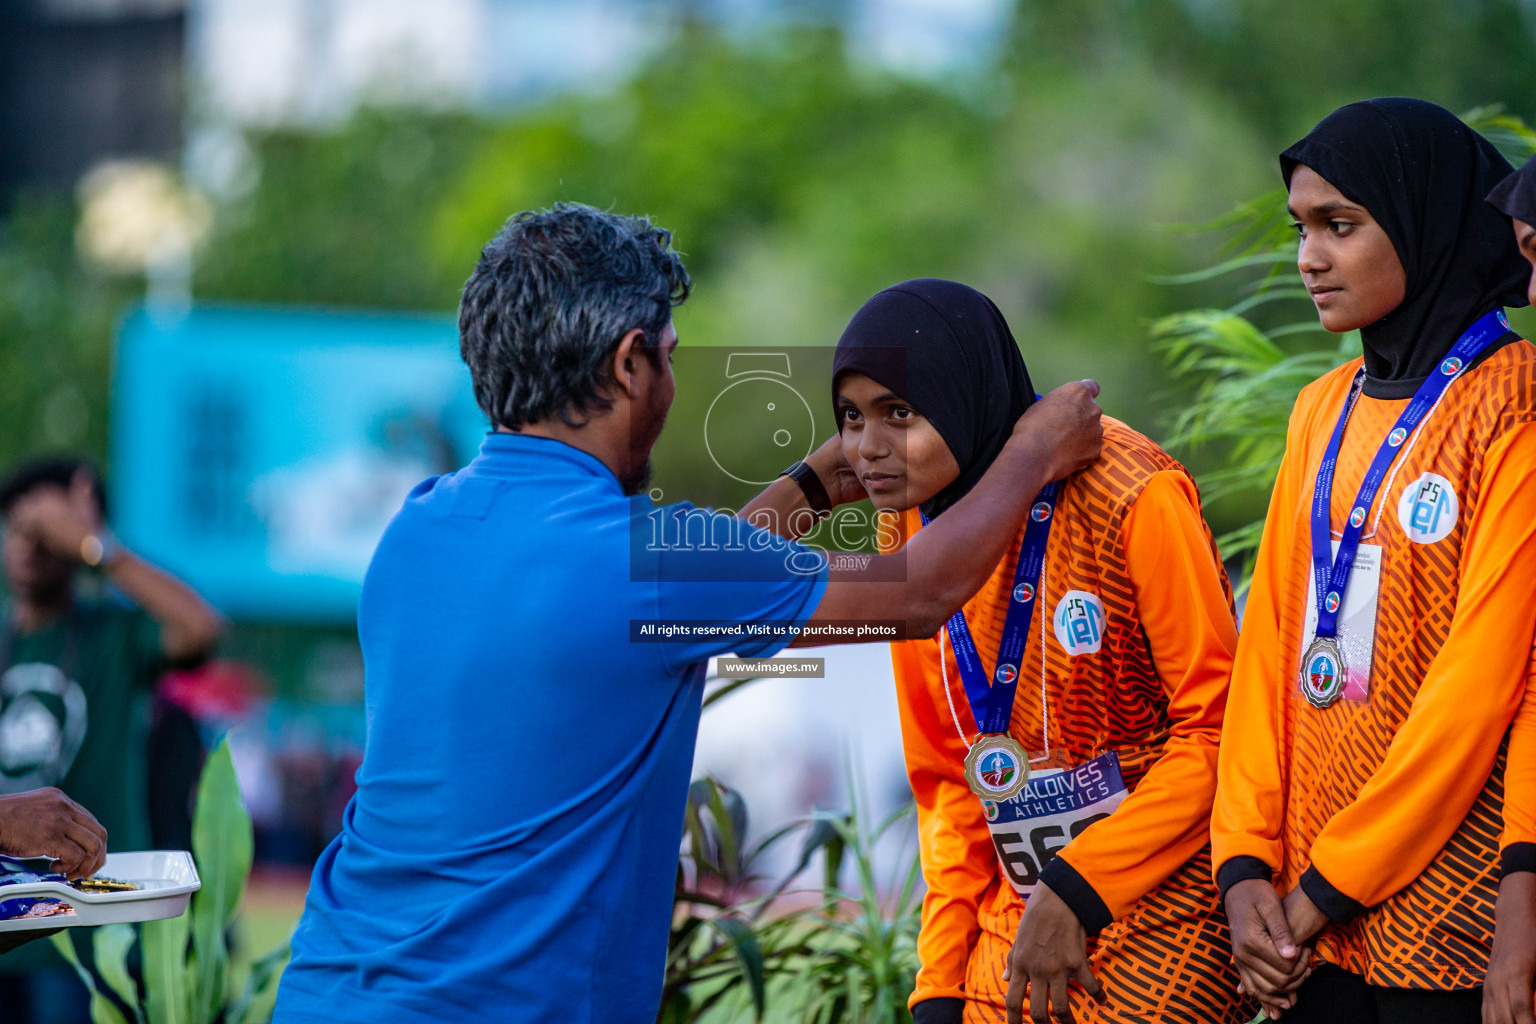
point(1124, 658)
point(1375, 810)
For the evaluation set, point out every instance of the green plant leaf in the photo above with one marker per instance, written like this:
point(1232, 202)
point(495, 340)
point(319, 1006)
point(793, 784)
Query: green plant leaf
point(750, 955)
point(729, 815)
point(66, 947)
point(222, 845)
point(103, 1010)
point(725, 690)
point(832, 858)
point(255, 1003)
point(167, 992)
point(111, 944)
point(1239, 263)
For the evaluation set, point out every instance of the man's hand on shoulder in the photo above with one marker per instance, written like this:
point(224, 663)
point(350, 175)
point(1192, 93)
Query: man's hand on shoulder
point(46, 823)
point(1066, 427)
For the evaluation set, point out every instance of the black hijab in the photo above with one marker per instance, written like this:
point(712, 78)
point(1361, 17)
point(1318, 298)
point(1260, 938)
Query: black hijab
point(1421, 173)
point(947, 350)
point(1515, 196)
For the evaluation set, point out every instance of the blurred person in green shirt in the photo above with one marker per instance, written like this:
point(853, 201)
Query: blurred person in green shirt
point(75, 675)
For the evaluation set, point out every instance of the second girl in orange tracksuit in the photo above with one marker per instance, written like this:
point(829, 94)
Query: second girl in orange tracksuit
point(1375, 809)
point(1126, 656)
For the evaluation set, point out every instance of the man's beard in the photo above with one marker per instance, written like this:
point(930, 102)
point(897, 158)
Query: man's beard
point(639, 480)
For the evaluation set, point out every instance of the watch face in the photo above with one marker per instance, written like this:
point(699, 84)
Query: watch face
point(756, 426)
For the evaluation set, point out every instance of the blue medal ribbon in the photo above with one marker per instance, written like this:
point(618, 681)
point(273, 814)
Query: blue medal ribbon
point(992, 701)
point(1332, 573)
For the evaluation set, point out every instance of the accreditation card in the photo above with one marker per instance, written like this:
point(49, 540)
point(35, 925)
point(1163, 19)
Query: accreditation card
point(1357, 621)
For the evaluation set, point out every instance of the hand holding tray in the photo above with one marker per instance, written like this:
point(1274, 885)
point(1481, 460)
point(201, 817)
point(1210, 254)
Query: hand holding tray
point(166, 879)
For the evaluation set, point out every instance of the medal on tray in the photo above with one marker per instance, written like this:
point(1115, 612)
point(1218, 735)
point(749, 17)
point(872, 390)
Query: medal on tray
point(1324, 670)
point(997, 767)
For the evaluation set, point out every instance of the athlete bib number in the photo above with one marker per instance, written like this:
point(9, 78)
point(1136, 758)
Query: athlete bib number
point(1057, 805)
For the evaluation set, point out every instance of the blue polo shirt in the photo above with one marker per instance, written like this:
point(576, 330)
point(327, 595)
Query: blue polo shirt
point(511, 851)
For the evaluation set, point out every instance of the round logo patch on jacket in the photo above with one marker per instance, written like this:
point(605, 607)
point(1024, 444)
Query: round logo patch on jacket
point(1079, 622)
point(1428, 509)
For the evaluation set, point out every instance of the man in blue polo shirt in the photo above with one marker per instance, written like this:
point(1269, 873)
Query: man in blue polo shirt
point(511, 850)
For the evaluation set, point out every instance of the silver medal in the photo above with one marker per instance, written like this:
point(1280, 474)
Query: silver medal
point(1323, 672)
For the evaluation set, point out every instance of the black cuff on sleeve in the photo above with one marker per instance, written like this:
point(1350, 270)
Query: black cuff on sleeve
point(1341, 909)
point(1076, 893)
point(1240, 869)
point(943, 1010)
point(1517, 857)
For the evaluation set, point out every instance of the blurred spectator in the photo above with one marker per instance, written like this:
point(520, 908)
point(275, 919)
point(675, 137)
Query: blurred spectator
point(74, 675)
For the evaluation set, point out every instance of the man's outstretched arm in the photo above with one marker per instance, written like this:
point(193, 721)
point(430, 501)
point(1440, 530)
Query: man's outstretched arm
point(939, 569)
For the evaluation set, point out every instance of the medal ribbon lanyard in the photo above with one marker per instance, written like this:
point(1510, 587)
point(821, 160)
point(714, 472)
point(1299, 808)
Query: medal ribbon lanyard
point(992, 702)
point(1333, 573)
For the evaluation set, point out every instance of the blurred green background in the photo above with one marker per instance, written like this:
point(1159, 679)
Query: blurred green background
point(1060, 165)
point(1053, 172)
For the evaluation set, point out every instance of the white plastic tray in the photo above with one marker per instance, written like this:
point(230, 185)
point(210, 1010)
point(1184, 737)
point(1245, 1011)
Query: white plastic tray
point(168, 879)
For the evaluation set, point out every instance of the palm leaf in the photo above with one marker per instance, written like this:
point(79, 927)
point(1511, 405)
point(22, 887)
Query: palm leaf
point(167, 992)
point(222, 844)
point(110, 945)
point(103, 1010)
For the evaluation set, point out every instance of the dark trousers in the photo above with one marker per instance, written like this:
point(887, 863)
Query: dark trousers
point(1334, 996)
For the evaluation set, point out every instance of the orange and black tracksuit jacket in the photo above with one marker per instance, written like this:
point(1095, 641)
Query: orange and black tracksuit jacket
point(1387, 811)
point(1127, 529)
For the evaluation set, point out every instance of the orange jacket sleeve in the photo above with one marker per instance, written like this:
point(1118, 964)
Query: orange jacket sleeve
point(1440, 757)
point(1187, 618)
point(1249, 809)
point(1517, 845)
point(956, 848)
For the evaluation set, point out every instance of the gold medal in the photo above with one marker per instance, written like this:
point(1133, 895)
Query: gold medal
point(102, 884)
point(996, 768)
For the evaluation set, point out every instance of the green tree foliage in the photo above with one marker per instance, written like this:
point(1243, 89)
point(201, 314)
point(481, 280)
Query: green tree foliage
point(56, 321)
point(1286, 63)
point(343, 218)
point(798, 181)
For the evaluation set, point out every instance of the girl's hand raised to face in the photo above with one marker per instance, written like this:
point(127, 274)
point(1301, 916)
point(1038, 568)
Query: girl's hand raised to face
point(841, 482)
point(1066, 427)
